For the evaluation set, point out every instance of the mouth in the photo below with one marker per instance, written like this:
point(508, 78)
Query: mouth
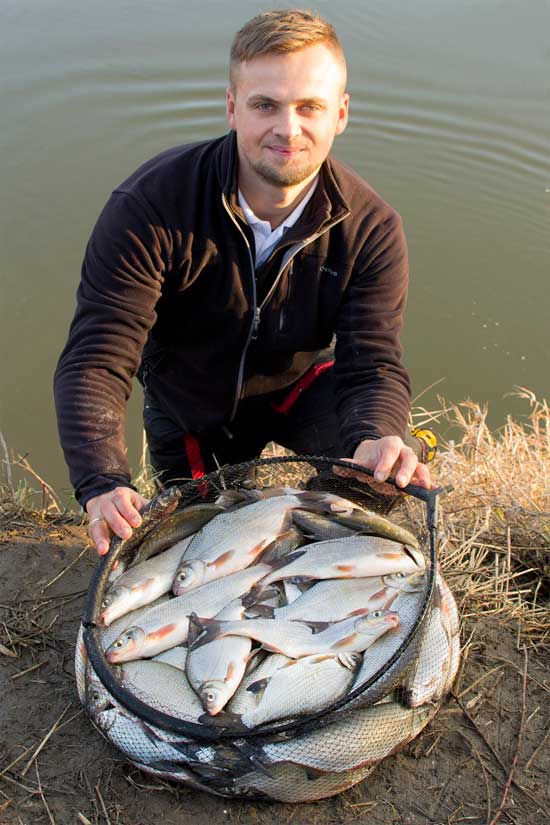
point(285, 151)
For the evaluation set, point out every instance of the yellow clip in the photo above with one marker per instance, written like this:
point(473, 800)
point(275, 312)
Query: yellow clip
point(429, 440)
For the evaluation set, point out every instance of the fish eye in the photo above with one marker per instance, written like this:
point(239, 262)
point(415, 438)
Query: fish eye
point(95, 696)
point(401, 575)
point(119, 643)
point(183, 575)
point(376, 614)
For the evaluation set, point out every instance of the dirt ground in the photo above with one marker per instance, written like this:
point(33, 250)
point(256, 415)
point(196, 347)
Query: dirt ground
point(483, 759)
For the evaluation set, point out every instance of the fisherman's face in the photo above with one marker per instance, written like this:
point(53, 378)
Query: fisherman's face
point(286, 110)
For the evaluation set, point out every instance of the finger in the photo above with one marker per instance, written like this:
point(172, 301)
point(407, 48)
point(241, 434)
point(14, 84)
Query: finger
point(422, 477)
point(123, 502)
point(116, 520)
point(409, 463)
point(100, 535)
point(386, 462)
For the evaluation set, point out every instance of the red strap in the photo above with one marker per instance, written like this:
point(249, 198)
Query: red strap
point(194, 456)
point(302, 384)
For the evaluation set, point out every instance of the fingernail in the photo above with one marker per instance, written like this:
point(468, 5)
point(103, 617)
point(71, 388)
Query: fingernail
point(379, 476)
point(103, 548)
point(125, 533)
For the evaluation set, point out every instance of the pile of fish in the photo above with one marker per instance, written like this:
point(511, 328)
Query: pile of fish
point(262, 607)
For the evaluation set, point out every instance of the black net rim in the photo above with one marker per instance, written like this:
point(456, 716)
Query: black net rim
point(305, 724)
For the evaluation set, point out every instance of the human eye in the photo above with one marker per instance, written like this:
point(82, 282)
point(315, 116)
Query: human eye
point(310, 108)
point(263, 106)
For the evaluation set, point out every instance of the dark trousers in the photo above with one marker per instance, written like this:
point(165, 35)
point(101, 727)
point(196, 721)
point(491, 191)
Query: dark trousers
point(301, 418)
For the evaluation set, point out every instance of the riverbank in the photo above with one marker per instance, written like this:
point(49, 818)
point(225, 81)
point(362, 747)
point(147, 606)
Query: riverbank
point(484, 759)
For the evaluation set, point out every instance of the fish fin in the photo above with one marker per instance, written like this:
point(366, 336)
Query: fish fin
point(221, 560)
point(277, 564)
point(259, 686)
point(210, 630)
point(225, 720)
point(317, 627)
point(260, 611)
point(413, 553)
point(250, 753)
point(254, 595)
point(325, 503)
point(196, 628)
point(300, 579)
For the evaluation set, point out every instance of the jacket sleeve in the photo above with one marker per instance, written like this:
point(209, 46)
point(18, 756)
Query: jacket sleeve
point(372, 385)
point(122, 274)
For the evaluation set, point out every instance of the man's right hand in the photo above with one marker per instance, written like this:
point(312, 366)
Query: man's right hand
point(114, 512)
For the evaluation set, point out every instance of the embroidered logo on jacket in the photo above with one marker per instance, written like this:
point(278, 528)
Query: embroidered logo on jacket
point(330, 271)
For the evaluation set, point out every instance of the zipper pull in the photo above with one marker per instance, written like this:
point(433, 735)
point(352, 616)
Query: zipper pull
point(255, 324)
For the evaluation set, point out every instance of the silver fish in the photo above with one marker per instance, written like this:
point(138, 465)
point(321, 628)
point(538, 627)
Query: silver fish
point(244, 700)
point(234, 540)
point(451, 624)
point(302, 686)
point(374, 524)
point(174, 656)
point(334, 599)
point(80, 662)
point(356, 740)
point(141, 584)
point(292, 783)
point(408, 605)
point(353, 557)
point(161, 686)
point(135, 739)
point(427, 682)
point(167, 625)
point(296, 639)
point(320, 527)
point(107, 635)
point(215, 670)
point(175, 528)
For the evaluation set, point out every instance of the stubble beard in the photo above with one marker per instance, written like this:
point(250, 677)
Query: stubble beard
point(284, 177)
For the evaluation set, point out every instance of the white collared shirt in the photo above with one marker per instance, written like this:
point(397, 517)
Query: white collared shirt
point(265, 238)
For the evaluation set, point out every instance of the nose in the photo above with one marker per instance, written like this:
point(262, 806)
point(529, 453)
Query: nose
point(288, 124)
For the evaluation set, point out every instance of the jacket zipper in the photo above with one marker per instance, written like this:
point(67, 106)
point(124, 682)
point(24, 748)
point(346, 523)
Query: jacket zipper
point(288, 257)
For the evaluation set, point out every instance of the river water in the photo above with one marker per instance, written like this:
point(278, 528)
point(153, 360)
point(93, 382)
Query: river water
point(450, 122)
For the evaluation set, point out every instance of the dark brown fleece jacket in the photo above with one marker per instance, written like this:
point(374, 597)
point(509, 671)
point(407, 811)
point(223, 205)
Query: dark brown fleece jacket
point(168, 292)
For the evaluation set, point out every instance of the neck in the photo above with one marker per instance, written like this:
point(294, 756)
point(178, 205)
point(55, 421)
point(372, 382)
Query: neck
point(269, 202)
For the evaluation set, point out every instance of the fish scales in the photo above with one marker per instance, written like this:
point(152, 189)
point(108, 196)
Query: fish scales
point(352, 557)
point(244, 700)
point(427, 681)
point(306, 685)
point(141, 584)
point(358, 739)
point(216, 669)
point(408, 605)
point(334, 599)
point(162, 687)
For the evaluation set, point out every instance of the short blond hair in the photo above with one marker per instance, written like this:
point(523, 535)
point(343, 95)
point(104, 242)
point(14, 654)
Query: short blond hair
point(282, 31)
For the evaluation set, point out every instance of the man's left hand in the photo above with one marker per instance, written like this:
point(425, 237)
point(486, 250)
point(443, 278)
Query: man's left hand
point(390, 456)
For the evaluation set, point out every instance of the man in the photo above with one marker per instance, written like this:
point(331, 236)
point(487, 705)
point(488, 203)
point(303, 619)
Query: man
point(220, 271)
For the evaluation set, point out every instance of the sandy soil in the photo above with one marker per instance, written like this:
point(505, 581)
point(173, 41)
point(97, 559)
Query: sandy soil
point(56, 768)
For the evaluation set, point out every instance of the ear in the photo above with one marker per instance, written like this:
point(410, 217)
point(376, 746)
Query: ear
point(230, 107)
point(343, 113)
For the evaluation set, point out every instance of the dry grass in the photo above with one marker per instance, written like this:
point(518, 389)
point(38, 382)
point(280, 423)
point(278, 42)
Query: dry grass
point(495, 525)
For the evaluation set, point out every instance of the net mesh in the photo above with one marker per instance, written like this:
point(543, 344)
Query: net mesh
point(162, 728)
